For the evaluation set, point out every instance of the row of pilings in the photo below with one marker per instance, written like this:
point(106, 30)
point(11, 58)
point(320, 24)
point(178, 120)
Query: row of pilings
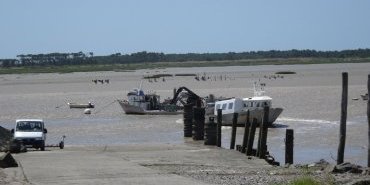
point(195, 126)
point(199, 128)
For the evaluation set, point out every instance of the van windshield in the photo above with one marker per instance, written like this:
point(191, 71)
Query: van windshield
point(29, 126)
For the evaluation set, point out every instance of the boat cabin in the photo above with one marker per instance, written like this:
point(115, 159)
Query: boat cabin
point(137, 97)
point(229, 106)
point(236, 105)
point(257, 102)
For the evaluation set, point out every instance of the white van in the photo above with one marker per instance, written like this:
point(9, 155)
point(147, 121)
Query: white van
point(31, 132)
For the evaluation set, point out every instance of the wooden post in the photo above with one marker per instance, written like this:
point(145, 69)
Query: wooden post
point(188, 120)
point(246, 132)
point(289, 144)
point(198, 124)
point(251, 134)
point(263, 133)
point(343, 119)
point(368, 120)
point(233, 131)
point(259, 139)
point(219, 126)
point(198, 103)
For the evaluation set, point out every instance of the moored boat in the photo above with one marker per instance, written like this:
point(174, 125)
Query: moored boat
point(255, 105)
point(81, 105)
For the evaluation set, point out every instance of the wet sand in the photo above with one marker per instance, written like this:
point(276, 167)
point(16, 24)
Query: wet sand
point(310, 98)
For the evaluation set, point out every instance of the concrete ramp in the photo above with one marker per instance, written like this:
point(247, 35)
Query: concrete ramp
point(91, 166)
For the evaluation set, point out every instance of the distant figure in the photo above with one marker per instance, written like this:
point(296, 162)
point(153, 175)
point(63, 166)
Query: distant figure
point(95, 81)
point(101, 81)
point(106, 81)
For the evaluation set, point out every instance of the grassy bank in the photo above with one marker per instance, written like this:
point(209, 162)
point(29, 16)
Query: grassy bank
point(129, 67)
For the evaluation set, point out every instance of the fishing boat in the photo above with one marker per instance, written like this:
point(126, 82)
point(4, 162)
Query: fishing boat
point(255, 105)
point(140, 103)
point(81, 105)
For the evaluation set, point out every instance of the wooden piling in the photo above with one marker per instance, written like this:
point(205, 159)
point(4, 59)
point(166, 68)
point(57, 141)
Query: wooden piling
point(188, 120)
point(246, 132)
point(233, 131)
point(198, 124)
point(251, 135)
point(210, 132)
point(289, 144)
point(219, 126)
point(368, 120)
point(259, 139)
point(343, 118)
point(262, 148)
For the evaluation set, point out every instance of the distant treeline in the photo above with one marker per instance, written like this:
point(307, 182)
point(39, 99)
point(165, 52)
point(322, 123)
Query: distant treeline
point(80, 58)
point(51, 59)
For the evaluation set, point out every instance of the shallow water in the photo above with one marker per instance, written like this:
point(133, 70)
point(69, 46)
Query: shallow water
point(310, 98)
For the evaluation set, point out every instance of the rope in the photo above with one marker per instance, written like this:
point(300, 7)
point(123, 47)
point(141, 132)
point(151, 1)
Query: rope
point(59, 106)
point(64, 104)
point(105, 106)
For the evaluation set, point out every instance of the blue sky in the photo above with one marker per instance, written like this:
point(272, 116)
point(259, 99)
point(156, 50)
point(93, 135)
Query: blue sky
point(173, 26)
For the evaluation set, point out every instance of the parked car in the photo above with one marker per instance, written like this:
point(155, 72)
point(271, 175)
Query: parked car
point(31, 132)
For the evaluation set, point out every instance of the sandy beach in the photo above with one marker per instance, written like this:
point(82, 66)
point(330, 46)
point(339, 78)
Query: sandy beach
point(310, 98)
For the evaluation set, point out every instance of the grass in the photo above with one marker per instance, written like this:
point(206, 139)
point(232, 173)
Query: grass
point(305, 181)
point(185, 74)
point(157, 76)
point(285, 72)
point(309, 180)
point(161, 65)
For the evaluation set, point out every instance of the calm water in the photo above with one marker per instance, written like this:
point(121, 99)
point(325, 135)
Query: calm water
point(310, 98)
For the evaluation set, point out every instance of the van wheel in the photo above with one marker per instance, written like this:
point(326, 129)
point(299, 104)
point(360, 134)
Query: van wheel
point(42, 147)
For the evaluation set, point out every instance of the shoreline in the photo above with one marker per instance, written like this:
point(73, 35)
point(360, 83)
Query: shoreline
point(190, 162)
point(186, 64)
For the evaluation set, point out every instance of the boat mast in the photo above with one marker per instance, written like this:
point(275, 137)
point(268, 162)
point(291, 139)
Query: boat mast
point(141, 83)
point(259, 89)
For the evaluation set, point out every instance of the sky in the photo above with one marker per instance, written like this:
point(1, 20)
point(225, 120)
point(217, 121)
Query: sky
point(181, 26)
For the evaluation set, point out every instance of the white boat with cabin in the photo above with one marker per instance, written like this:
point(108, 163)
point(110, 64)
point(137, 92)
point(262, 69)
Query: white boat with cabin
point(254, 104)
point(140, 103)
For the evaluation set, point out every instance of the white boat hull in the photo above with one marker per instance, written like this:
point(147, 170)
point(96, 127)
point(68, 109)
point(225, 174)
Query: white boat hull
point(256, 113)
point(131, 109)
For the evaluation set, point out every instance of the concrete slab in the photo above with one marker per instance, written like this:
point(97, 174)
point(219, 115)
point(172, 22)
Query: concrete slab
point(96, 165)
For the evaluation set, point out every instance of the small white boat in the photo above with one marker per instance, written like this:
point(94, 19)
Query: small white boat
point(254, 104)
point(81, 105)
